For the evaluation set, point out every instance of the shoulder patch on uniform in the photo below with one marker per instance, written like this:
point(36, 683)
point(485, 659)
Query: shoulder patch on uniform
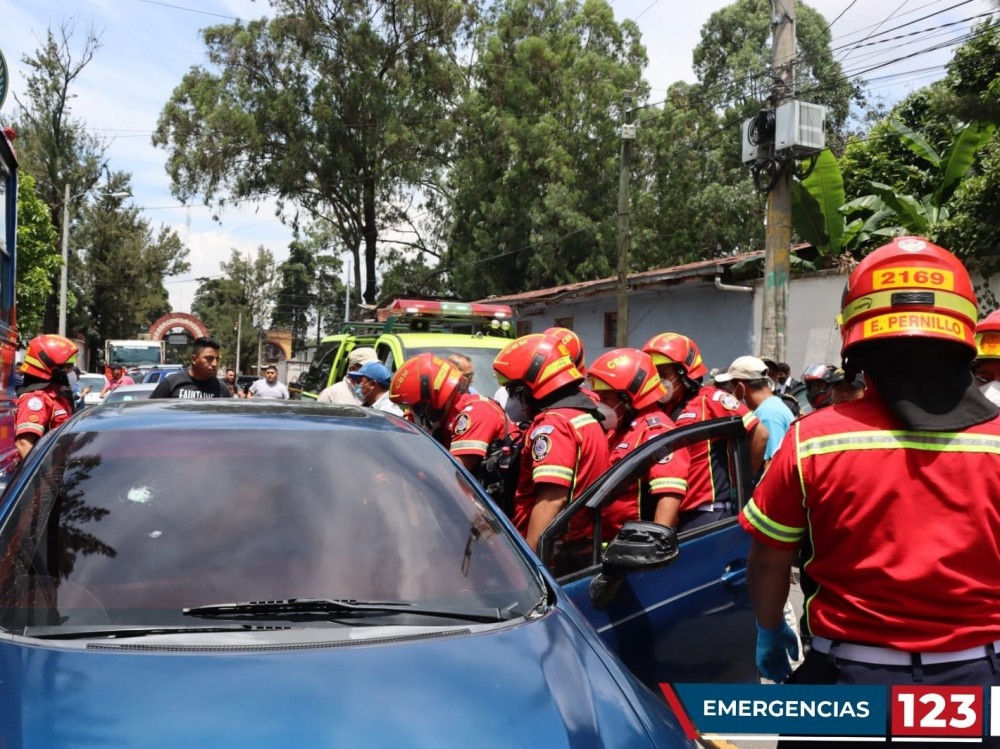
point(468, 409)
point(729, 402)
point(33, 418)
point(35, 403)
point(653, 421)
point(538, 431)
point(540, 447)
point(462, 423)
point(686, 415)
point(622, 446)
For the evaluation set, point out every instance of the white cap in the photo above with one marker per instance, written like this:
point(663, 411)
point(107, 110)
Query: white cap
point(744, 368)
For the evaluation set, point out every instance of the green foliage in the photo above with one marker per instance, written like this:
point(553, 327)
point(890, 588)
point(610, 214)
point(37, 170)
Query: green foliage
point(295, 296)
point(337, 107)
point(119, 273)
point(37, 257)
point(534, 179)
point(816, 202)
point(238, 304)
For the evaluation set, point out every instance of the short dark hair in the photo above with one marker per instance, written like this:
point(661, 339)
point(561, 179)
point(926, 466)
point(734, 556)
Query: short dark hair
point(269, 367)
point(783, 367)
point(200, 344)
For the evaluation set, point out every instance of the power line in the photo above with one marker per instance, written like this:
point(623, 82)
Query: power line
point(190, 10)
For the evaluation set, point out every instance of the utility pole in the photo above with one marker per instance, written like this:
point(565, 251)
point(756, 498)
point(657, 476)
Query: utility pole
point(778, 237)
point(625, 166)
point(239, 335)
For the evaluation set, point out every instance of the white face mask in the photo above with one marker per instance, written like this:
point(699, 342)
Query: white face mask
point(670, 388)
point(992, 391)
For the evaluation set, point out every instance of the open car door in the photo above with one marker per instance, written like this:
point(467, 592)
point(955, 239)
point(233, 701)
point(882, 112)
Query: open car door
point(673, 605)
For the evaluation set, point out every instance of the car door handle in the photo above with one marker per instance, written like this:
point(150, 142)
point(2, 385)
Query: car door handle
point(735, 574)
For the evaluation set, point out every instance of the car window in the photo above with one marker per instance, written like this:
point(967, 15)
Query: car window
point(484, 380)
point(143, 524)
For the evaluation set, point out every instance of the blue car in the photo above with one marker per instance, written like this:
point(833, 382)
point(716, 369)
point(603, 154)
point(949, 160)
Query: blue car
point(213, 573)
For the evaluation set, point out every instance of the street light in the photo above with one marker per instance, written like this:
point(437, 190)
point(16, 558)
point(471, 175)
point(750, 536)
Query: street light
point(64, 274)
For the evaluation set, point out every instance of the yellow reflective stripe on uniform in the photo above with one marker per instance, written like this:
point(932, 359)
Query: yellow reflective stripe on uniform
point(882, 300)
point(669, 483)
point(786, 534)
point(556, 472)
point(582, 420)
point(798, 463)
point(898, 439)
point(749, 418)
point(478, 445)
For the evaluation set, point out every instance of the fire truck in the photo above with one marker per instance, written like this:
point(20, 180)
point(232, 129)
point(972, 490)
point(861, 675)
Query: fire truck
point(137, 356)
point(409, 327)
point(8, 318)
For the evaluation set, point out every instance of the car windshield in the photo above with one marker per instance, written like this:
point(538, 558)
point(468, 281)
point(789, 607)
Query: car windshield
point(129, 355)
point(129, 528)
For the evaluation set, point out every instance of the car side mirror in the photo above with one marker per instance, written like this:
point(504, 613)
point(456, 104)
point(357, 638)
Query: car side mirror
point(638, 547)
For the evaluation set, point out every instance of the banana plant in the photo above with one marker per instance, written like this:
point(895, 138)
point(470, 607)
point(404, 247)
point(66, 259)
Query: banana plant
point(906, 214)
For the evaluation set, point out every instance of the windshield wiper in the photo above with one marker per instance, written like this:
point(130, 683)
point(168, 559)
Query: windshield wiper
point(117, 633)
point(343, 607)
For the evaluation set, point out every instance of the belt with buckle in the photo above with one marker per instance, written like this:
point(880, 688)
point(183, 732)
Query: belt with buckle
point(878, 656)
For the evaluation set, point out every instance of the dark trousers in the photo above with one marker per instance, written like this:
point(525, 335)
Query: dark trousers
point(820, 668)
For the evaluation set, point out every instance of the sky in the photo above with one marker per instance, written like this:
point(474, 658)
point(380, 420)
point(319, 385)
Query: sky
point(148, 46)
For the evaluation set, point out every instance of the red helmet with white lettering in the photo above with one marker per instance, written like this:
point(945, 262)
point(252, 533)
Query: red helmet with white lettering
point(47, 353)
point(677, 349)
point(988, 337)
point(541, 362)
point(426, 381)
point(630, 373)
point(906, 288)
point(572, 342)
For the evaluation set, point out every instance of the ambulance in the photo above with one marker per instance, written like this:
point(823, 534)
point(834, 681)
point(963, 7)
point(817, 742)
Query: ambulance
point(409, 327)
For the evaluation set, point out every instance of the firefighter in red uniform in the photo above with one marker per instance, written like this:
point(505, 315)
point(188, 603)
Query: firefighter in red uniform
point(42, 402)
point(897, 492)
point(688, 401)
point(986, 367)
point(565, 450)
point(626, 382)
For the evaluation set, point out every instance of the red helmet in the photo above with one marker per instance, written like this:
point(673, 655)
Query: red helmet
point(573, 343)
point(906, 288)
point(425, 380)
point(674, 348)
point(46, 354)
point(988, 337)
point(542, 362)
point(628, 371)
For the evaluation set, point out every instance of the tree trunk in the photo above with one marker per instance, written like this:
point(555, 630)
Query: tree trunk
point(371, 239)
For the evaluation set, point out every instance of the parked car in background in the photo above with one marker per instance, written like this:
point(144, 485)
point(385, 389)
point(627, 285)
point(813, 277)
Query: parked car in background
point(243, 382)
point(96, 383)
point(157, 374)
point(123, 393)
point(279, 607)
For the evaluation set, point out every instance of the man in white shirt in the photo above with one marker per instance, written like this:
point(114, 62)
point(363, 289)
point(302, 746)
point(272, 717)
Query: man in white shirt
point(269, 388)
point(371, 384)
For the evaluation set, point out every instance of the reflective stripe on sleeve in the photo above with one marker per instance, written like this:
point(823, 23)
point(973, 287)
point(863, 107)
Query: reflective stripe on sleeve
point(469, 446)
point(565, 475)
point(29, 426)
point(900, 439)
point(749, 419)
point(582, 420)
point(783, 533)
point(658, 486)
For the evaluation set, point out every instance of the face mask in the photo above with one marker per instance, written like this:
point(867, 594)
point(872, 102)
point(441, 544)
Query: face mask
point(610, 422)
point(671, 389)
point(359, 395)
point(992, 392)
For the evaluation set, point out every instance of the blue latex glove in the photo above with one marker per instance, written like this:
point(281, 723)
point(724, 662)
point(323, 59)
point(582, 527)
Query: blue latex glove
point(774, 649)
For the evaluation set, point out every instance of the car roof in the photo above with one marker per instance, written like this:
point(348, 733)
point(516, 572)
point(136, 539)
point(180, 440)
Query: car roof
point(235, 413)
point(137, 387)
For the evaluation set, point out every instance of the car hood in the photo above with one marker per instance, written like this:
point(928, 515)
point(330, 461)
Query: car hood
point(536, 683)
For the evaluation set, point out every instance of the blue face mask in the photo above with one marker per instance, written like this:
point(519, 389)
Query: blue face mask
point(358, 395)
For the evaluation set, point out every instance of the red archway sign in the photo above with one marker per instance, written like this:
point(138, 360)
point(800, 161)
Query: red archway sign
point(159, 329)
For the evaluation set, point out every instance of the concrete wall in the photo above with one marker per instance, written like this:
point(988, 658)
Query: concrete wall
point(719, 321)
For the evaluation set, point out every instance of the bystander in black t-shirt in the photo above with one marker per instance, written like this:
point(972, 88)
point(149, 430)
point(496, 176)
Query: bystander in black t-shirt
point(183, 385)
